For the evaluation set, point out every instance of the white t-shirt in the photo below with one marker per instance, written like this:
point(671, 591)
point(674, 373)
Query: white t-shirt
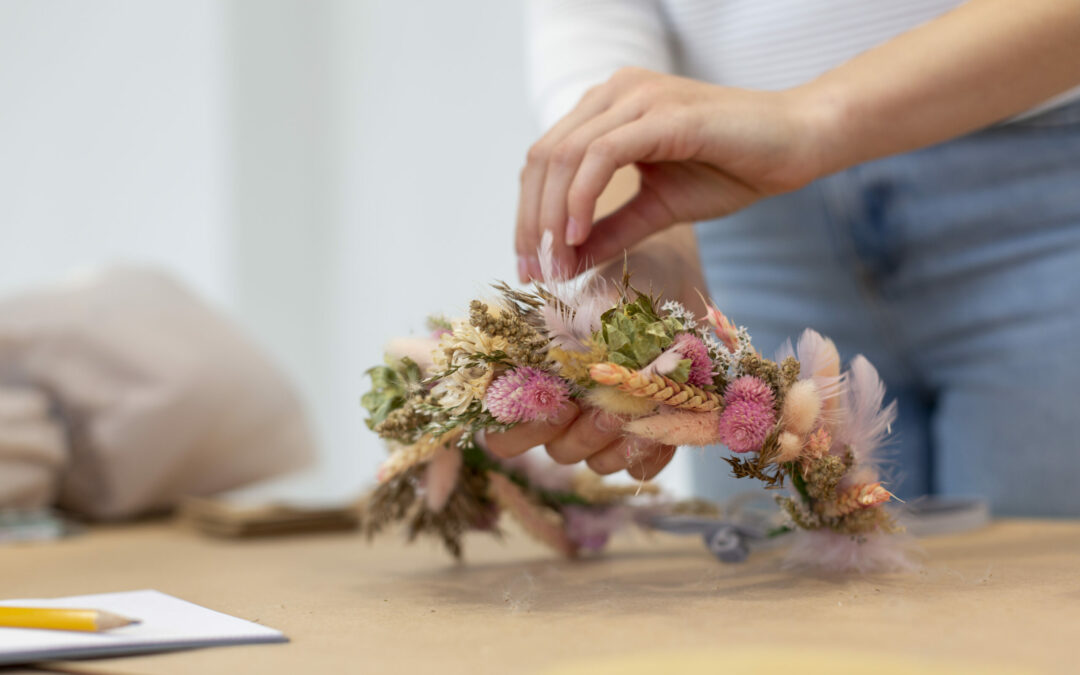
point(753, 44)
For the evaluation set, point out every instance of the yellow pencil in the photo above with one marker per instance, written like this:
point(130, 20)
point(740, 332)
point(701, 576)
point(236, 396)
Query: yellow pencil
point(91, 620)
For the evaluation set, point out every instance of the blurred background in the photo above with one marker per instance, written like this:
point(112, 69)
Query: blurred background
point(326, 172)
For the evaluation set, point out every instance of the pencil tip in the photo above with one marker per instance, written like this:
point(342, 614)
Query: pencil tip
point(108, 621)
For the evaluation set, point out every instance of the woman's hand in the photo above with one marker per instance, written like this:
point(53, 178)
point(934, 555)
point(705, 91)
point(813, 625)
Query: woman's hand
point(703, 151)
point(585, 434)
point(667, 265)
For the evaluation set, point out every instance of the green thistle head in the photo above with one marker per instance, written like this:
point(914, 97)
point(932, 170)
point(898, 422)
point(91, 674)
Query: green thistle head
point(634, 334)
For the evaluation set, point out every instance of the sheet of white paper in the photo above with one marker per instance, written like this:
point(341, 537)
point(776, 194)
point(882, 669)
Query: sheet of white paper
point(166, 623)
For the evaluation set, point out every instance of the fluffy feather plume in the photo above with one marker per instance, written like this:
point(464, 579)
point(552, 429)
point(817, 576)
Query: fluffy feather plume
point(574, 314)
point(543, 524)
point(865, 422)
point(552, 274)
point(819, 361)
point(665, 363)
point(440, 478)
point(678, 427)
point(802, 405)
point(790, 448)
point(828, 551)
point(571, 326)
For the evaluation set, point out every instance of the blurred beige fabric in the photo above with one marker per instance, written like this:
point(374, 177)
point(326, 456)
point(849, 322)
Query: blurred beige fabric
point(122, 392)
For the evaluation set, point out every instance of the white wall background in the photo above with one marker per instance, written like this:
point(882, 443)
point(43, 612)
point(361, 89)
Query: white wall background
point(328, 172)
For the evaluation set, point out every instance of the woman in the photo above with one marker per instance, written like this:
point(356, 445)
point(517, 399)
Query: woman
point(904, 177)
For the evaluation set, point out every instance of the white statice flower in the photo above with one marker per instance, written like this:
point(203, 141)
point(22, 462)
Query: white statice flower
point(744, 349)
point(468, 375)
point(677, 310)
point(718, 353)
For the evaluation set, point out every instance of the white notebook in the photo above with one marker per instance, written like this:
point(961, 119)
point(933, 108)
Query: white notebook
point(166, 623)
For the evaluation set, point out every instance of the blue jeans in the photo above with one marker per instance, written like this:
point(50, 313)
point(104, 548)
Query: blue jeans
point(956, 271)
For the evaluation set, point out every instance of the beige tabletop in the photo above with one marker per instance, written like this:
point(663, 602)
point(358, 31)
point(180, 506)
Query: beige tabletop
point(1002, 599)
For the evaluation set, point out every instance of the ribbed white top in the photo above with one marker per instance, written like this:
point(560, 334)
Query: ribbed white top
point(754, 44)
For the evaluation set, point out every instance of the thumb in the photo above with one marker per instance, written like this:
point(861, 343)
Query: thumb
point(644, 215)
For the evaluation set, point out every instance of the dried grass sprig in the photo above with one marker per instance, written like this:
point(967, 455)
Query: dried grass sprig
point(655, 387)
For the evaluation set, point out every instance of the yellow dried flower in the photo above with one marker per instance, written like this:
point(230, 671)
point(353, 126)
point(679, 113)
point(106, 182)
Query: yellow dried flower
point(574, 365)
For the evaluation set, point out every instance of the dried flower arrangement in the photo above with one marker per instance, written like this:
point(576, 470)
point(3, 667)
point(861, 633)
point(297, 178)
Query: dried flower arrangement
point(796, 422)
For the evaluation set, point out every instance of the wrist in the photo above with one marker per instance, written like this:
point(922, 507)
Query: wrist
point(824, 119)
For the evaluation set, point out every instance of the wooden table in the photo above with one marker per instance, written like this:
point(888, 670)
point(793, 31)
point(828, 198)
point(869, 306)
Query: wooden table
point(1006, 598)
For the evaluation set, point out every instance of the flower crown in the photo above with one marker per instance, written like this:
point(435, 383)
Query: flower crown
point(796, 422)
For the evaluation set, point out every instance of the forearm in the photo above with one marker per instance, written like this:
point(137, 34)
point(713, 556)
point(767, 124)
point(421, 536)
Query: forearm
point(981, 63)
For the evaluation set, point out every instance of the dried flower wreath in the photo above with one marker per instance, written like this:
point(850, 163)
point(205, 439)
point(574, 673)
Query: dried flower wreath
point(796, 422)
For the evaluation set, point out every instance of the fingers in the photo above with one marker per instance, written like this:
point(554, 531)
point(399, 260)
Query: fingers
point(575, 175)
point(644, 139)
point(533, 179)
point(523, 437)
point(644, 215)
point(553, 161)
point(593, 436)
point(648, 463)
point(561, 170)
point(642, 460)
point(590, 432)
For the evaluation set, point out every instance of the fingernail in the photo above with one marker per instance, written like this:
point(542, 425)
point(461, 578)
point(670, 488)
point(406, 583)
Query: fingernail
point(566, 413)
point(573, 235)
point(534, 268)
point(523, 269)
point(606, 423)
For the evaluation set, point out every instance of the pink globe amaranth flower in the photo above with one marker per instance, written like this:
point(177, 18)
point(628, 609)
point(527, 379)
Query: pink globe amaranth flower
point(745, 424)
point(701, 366)
point(526, 395)
point(748, 415)
point(750, 389)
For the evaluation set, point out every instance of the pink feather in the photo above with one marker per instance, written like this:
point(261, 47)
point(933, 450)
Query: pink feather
point(571, 325)
point(575, 314)
point(865, 423)
point(828, 551)
point(818, 360)
point(665, 363)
